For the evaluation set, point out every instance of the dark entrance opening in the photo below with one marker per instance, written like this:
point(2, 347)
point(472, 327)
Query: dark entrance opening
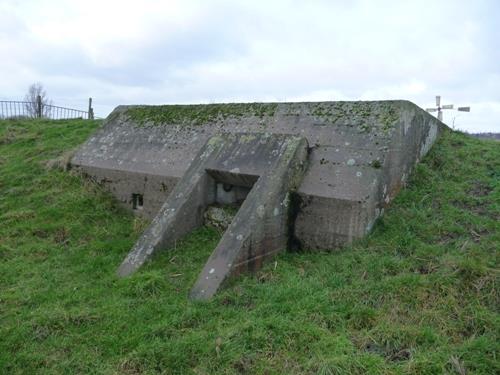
point(137, 201)
point(230, 191)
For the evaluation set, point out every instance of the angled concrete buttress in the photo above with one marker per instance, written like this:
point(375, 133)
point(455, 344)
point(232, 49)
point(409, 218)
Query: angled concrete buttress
point(272, 166)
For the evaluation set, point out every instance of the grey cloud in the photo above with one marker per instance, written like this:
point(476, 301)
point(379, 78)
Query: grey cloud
point(283, 49)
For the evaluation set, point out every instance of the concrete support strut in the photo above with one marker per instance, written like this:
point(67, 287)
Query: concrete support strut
point(271, 165)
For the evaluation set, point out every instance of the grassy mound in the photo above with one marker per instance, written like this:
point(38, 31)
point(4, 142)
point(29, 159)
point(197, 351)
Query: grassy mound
point(419, 295)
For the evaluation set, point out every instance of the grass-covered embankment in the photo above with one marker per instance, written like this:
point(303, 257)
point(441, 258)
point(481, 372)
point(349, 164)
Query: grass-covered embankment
point(419, 295)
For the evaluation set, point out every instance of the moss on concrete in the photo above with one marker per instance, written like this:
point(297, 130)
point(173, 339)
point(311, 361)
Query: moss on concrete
point(367, 116)
point(198, 114)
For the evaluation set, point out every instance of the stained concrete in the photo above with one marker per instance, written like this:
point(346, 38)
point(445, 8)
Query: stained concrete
point(359, 155)
point(271, 165)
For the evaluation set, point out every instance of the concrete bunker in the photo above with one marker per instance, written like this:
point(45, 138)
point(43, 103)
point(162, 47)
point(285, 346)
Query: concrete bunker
point(353, 157)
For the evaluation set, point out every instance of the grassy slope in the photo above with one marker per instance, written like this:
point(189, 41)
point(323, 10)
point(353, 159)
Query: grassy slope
point(420, 295)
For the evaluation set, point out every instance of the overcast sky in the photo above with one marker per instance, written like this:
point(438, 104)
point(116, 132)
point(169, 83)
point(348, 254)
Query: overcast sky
point(157, 52)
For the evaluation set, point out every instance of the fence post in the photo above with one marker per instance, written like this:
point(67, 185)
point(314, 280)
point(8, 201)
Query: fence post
point(39, 106)
point(91, 110)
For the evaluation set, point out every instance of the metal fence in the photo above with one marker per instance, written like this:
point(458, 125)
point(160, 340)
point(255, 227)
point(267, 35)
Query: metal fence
point(11, 109)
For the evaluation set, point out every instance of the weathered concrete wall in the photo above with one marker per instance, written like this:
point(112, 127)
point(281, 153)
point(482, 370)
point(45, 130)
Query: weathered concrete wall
point(360, 155)
point(272, 165)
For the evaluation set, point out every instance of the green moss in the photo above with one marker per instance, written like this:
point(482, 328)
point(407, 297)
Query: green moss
point(247, 138)
point(388, 118)
point(365, 128)
point(230, 209)
point(198, 114)
point(365, 115)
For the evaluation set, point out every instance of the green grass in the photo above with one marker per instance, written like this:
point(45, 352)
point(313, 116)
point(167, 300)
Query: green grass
point(419, 295)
